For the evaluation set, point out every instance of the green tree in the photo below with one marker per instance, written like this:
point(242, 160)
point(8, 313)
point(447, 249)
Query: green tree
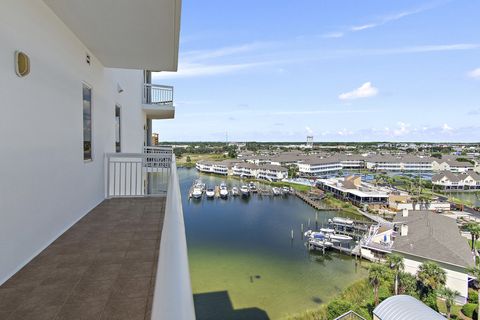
point(476, 273)
point(431, 278)
point(396, 264)
point(376, 274)
point(189, 159)
point(474, 229)
point(407, 284)
point(449, 296)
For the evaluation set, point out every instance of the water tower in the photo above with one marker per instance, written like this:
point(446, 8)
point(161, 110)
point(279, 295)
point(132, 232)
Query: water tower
point(310, 142)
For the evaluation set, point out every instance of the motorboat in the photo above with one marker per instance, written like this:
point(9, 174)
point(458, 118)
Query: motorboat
point(276, 191)
point(314, 235)
point(245, 191)
point(197, 192)
point(235, 191)
point(252, 187)
point(334, 237)
point(319, 243)
point(344, 221)
point(286, 190)
point(210, 192)
point(223, 190)
point(339, 238)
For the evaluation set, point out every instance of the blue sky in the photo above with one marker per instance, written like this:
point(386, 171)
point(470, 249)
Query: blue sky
point(340, 70)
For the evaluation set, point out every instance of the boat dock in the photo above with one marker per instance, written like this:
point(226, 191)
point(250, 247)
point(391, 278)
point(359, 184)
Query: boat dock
point(314, 201)
point(322, 246)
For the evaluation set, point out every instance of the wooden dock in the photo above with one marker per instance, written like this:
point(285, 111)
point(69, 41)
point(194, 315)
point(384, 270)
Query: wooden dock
point(314, 202)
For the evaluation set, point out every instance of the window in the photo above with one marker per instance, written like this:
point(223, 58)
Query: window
point(87, 123)
point(118, 131)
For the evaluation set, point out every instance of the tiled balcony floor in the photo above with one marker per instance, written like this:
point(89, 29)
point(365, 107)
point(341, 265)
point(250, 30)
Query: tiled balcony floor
point(102, 268)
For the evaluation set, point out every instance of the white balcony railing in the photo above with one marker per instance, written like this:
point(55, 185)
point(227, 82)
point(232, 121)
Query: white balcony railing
point(157, 94)
point(138, 174)
point(131, 175)
point(173, 297)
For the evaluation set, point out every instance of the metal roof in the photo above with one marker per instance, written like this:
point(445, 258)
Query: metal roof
point(403, 307)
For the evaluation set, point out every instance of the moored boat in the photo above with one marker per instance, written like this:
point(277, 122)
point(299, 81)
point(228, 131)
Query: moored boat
point(210, 193)
point(276, 191)
point(235, 191)
point(223, 190)
point(245, 191)
point(252, 187)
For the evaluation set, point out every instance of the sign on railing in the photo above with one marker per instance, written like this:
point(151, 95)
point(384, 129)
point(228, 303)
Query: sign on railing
point(137, 174)
point(157, 94)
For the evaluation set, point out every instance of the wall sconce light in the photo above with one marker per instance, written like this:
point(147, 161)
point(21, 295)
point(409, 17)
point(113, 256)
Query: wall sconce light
point(22, 64)
point(119, 89)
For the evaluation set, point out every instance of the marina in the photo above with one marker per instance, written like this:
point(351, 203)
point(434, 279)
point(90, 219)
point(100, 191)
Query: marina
point(243, 248)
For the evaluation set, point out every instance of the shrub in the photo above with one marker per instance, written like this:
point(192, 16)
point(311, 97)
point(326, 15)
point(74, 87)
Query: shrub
point(472, 296)
point(338, 307)
point(469, 309)
point(431, 300)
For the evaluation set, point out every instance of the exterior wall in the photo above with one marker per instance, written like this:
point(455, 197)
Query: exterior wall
point(420, 206)
point(456, 278)
point(46, 186)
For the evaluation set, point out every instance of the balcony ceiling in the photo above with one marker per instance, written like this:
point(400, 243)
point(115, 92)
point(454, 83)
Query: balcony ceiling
point(139, 34)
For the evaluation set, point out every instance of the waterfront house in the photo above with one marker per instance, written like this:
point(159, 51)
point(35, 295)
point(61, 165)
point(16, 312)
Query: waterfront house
point(91, 215)
point(399, 164)
point(452, 165)
point(216, 167)
point(423, 236)
point(245, 170)
point(272, 172)
point(318, 167)
point(449, 181)
point(420, 236)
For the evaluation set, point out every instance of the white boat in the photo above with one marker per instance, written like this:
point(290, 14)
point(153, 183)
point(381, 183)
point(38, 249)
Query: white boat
point(343, 221)
point(276, 191)
point(235, 191)
point(339, 238)
point(223, 190)
point(245, 191)
point(210, 192)
point(334, 237)
point(252, 187)
point(197, 192)
point(310, 234)
point(286, 190)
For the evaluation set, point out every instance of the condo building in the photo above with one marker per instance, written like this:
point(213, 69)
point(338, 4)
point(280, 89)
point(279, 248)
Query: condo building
point(91, 215)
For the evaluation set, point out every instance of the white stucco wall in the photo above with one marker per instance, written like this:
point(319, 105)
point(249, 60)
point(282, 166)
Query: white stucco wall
point(455, 280)
point(45, 185)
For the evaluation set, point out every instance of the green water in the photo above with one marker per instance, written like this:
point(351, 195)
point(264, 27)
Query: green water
point(243, 262)
point(473, 198)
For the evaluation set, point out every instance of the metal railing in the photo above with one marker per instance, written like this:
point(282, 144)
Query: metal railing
point(157, 94)
point(158, 150)
point(137, 174)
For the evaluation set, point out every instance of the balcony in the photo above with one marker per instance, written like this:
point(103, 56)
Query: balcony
point(125, 259)
point(158, 101)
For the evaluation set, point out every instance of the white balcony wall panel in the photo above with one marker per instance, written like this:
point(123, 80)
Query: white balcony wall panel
point(45, 185)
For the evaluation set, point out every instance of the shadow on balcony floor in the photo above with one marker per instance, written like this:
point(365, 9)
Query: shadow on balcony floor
point(218, 306)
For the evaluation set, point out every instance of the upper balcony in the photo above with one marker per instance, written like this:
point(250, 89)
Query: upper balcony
point(157, 101)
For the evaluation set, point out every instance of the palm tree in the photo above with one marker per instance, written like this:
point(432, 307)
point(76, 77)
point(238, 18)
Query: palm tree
point(476, 273)
point(395, 262)
point(376, 273)
point(431, 277)
point(449, 295)
point(474, 229)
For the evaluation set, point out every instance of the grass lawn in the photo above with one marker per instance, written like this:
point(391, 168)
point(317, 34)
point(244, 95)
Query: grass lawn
point(182, 162)
point(345, 206)
point(454, 312)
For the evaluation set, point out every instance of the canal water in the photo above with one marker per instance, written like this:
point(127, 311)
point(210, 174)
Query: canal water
point(243, 263)
point(473, 198)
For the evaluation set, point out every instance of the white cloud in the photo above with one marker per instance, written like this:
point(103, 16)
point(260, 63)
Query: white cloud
point(363, 27)
point(403, 129)
point(366, 90)
point(344, 132)
point(309, 130)
point(333, 35)
point(189, 70)
point(446, 128)
point(197, 55)
point(475, 74)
